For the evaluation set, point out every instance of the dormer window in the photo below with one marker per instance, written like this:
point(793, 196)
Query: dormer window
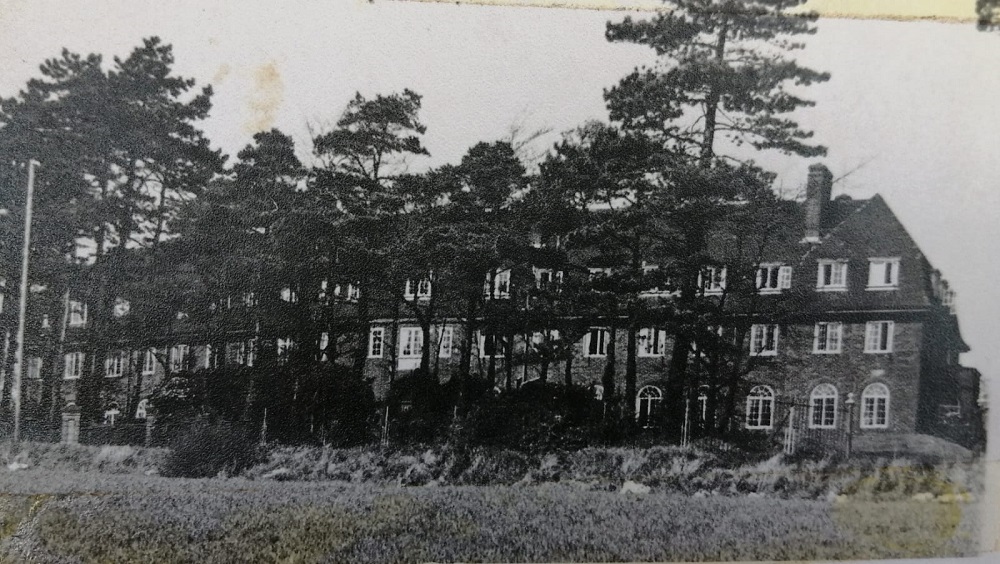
point(419, 290)
point(548, 279)
point(832, 276)
point(712, 279)
point(289, 295)
point(77, 313)
point(773, 278)
point(122, 307)
point(497, 285)
point(883, 273)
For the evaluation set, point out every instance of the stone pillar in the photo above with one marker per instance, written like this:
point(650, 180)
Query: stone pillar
point(71, 424)
point(150, 425)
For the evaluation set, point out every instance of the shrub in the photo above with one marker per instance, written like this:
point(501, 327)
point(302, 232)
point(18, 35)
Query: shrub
point(204, 449)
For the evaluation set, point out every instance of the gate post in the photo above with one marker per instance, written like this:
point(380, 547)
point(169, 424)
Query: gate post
point(790, 432)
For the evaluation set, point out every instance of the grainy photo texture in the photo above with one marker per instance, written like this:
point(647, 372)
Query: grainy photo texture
point(407, 282)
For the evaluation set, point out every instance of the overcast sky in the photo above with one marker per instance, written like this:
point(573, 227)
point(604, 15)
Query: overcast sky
point(912, 104)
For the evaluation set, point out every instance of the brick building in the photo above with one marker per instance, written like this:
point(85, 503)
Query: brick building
point(847, 325)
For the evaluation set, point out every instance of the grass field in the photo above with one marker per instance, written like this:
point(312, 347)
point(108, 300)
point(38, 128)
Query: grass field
point(51, 516)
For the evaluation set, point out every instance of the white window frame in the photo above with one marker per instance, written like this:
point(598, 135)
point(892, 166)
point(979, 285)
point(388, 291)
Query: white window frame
point(178, 357)
point(758, 397)
point(712, 279)
point(77, 313)
point(498, 345)
point(288, 294)
point(875, 398)
point(879, 336)
point(284, 346)
point(555, 279)
point(658, 340)
point(246, 352)
point(419, 290)
point(827, 344)
point(759, 333)
point(825, 397)
point(499, 289)
point(447, 342)
point(604, 335)
point(652, 396)
point(883, 274)
point(411, 342)
point(114, 364)
point(376, 342)
point(149, 362)
point(73, 365)
point(773, 277)
point(838, 275)
point(34, 368)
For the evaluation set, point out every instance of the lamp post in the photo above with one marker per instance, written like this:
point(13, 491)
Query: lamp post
point(850, 421)
point(15, 383)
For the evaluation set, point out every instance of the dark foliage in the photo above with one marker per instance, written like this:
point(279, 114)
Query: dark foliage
point(206, 447)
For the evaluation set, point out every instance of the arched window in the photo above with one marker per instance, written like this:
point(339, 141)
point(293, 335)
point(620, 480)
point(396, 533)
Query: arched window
point(760, 408)
point(875, 407)
point(823, 407)
point(140, 410)
point(647, 406)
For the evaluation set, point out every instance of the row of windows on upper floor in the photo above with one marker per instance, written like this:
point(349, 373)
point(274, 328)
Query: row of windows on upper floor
point(883, 274)
point(651, 342)
point(824, 409)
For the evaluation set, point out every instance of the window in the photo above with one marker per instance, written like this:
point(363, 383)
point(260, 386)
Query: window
point(883, 273)
point(648, 402)
point(211, 359)
point(490, 345)
point(289, 295)
point(249, 299)
point(114, 364)
point(376, 342)
point(826, 338)
point(45, 321)
point(411, 341)
point(652, 341)
point(548, 279)
point(875, 407)
point(823, 407)
point(149, 362)
point(178, 358)
point(447, 341)
point(878, 336)
point(141, 409)
point(773, 278)
point(832, 275)
point(246, 352)
point(111, 414)
point(712, 279)
point(420, 290)
point(34, 368)
point(500, 285)
point(324, 285)
point(122, 307)
point(352, 294)
point(74, 365)
point(324, 342)
point(763, 340)
point(77, 313)
point(597, 342)
point(760, 408)
point(285, 347)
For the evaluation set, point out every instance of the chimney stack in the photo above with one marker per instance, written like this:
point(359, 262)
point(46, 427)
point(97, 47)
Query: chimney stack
point(818, 189)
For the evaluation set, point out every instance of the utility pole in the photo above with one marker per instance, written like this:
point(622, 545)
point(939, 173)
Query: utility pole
point(15, 383)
